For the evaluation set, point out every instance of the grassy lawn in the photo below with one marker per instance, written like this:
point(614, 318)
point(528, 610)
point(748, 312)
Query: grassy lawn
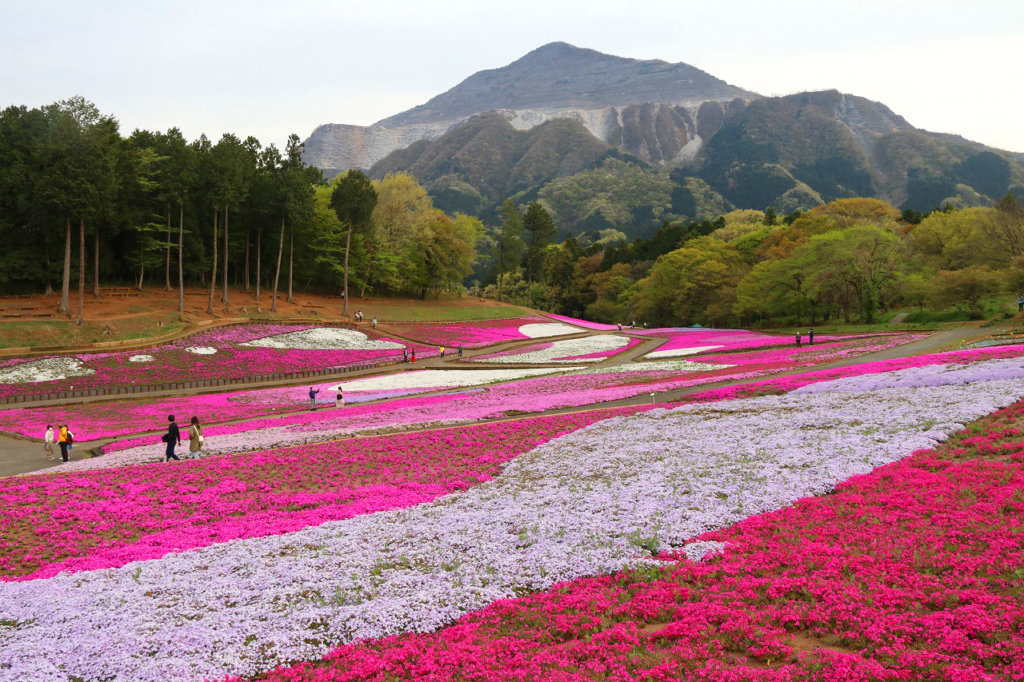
point(135, 320)
point(47, 333)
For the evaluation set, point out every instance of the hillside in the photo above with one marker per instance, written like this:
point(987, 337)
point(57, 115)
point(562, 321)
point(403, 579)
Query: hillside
point(842, 146)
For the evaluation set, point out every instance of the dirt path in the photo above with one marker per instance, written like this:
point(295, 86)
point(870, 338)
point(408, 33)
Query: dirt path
point(19, 456)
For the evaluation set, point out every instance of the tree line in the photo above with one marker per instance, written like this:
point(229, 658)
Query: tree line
point(849, 260)
point(155, 208)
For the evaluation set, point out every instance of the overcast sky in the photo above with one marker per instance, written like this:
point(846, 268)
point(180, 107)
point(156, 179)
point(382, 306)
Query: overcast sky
point(272, 68)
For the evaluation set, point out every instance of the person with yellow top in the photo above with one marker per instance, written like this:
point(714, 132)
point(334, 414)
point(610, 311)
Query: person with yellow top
point(62, 441)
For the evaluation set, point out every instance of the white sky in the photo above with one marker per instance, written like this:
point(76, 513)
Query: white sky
point(272, 68)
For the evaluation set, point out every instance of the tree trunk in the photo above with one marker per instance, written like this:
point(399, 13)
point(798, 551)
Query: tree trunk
point(66, 285)
point(501, 283)
point(277, 273)
point(49, 266)
point(96, 262)
point(259, 233)
point(348, 247)
point(81, 271)
point(142, 267)
point(167, 265)
point(366, 277)
point(247, 261)
point(291, 259)
point(181, 272)
point(213, 276)
point(224, 297)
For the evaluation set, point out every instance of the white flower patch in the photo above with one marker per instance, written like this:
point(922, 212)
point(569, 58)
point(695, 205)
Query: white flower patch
point(323, 338)
point(538, 330)
point(594, 501)
point(440, 378)
point(47, 369)
point(201, 350)
point(569, 349)
point(678, 352)
point(662, 366)
point(141, 358)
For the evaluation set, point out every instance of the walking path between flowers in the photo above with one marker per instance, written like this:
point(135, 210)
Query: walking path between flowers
point(19, 456)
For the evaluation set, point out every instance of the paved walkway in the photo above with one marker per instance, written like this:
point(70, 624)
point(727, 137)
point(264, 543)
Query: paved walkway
point(19, 456)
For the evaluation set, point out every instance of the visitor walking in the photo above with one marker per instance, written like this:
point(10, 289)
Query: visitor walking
point(195, 438)
point(620, 326)
point(172, 438)
point(1020, 303)
point(374, 321)
point(810, 337)
point(414, 356)
point(340, 401)
point(798, 339)
point(312, 398)
point(64, 441)
point(460, 350)
point(633, 325)
point(442, 351)
point(48, 442)
point(405, 355)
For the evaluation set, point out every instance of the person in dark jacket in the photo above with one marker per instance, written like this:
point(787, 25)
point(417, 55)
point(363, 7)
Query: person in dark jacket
point(312, 398)
point(810, 337)
point(172, 438)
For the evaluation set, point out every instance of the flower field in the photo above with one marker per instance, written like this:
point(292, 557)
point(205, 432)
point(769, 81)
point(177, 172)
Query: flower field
point(224, 352)
point(571, 389)
point(479, 334)
point(859, 522)
point(587, 349)
point(910, 572)
point(483, 527)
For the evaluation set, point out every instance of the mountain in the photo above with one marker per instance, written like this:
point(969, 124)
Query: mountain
point(609, 142)
point(650, 108)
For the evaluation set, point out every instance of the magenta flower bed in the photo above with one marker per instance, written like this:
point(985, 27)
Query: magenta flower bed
point(597, 326)
point(173, 364)
point(108, 518)
point(469, 334)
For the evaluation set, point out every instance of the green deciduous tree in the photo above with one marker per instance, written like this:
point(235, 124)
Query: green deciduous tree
point(510, 245)
point(540, 230)
point(353, 199)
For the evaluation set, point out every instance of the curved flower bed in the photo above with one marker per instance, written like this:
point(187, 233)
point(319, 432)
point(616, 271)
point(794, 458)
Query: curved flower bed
point(586, 349)
point(596, 326)
point(683, 340)
point(469, 334)
point(225, 352)
point(905, 573)
point(85, 521)
point(605, 498)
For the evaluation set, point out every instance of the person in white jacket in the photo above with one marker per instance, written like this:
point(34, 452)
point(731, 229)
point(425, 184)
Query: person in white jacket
point(48, 442)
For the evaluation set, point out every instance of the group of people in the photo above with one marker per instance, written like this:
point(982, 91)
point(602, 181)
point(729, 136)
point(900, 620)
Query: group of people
point(810, 337)
point(359, 317)
point(442, 351)
point(339, 398)
point(632, 325)
point(64, 439)
point(172, 438)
